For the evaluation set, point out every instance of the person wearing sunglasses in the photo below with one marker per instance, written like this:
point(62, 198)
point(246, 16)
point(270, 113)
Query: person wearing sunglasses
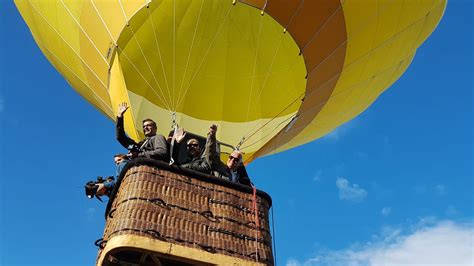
point(233, 170)
point(194, 159)
point(154, 145)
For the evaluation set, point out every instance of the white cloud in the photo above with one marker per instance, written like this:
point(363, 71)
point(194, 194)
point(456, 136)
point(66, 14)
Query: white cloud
point(386, 211)
point(348, 191)
point(443, 243)
point(340, 131)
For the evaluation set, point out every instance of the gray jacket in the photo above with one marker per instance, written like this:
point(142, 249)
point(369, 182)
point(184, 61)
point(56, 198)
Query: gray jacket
point(219, 168)
point(154, 147)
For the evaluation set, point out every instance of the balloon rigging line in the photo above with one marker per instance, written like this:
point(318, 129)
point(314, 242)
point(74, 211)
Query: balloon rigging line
point(320, 28)
point(207, 52)
point(349, 89)
point(269, 69)
point(174, 50)
point(85, 33)
point(390, 80)
point(147, 63)
point(294, 15)
point(382, 44)
point(301, 4)
point(269, 133)
point(373, 40)
point(348, 66)
point(103, 22)
point(245, 139)
point(123, 12)
point(86, 84)
point(190, 51)
point(138, 71)
point(82, 60)
point(159, 52)
point(254, 66)
point(274, 238)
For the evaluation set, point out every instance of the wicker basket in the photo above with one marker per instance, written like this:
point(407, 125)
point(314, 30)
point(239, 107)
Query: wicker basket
point(165, 209)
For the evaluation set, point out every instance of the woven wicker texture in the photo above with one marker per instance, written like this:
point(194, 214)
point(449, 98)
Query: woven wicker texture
point(176, 208)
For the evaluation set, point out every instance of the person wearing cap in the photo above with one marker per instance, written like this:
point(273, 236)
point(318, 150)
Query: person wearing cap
point(154, 145)
point(233, 170)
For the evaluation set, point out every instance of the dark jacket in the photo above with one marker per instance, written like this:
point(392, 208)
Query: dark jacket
point(197, 164)
point(219, 168)
point(154, 147)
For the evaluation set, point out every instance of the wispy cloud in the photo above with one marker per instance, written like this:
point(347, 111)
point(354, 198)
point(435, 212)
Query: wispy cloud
point(438, 189)
point(90, 214)
point(348, 191)
point(340, 131)
point(443, 243)
point(386, 211)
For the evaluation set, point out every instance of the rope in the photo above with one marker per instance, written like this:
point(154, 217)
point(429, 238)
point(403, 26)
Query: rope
point(257, 221)
point(123, 12)
point(346, 68)
point(254, 66)
point(274, 237)
point(96, 96)
point(169, 106)
point(174, 51)
point(103, 22)
point(138, 71)
point(206, 53)
point(62, 38)
point(159, 52)
point(189, 53)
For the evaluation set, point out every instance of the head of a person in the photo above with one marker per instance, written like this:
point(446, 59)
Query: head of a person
point(192, 146)
point(235, 159)
point(118, 158)
point(149, 127)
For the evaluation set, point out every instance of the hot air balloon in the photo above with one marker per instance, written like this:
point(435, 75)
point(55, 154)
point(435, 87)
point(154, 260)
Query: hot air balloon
point(272, 74)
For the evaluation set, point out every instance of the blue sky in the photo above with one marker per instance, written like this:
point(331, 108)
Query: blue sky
point(387, 188)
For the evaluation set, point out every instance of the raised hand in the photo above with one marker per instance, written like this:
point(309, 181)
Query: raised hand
point(122, 108)
point(180, 134)
point(213, 129)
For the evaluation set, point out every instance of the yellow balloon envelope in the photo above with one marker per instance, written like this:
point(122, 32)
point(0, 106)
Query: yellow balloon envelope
point(272, 74)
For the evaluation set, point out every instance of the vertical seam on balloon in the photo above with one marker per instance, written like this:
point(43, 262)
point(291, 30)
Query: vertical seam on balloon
point(320, 28)
point(189, 55)
point(148, 64)
point(208, 49)
point(346, 67)
point(159, 53)
point(85, 33)
point(349, 89)
point(254, 67)
point(123, 12)
point(174, 52)
point(294, 14)
point(264, 84)
point(103, 22)
point(82, 60)
point(68, 68)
